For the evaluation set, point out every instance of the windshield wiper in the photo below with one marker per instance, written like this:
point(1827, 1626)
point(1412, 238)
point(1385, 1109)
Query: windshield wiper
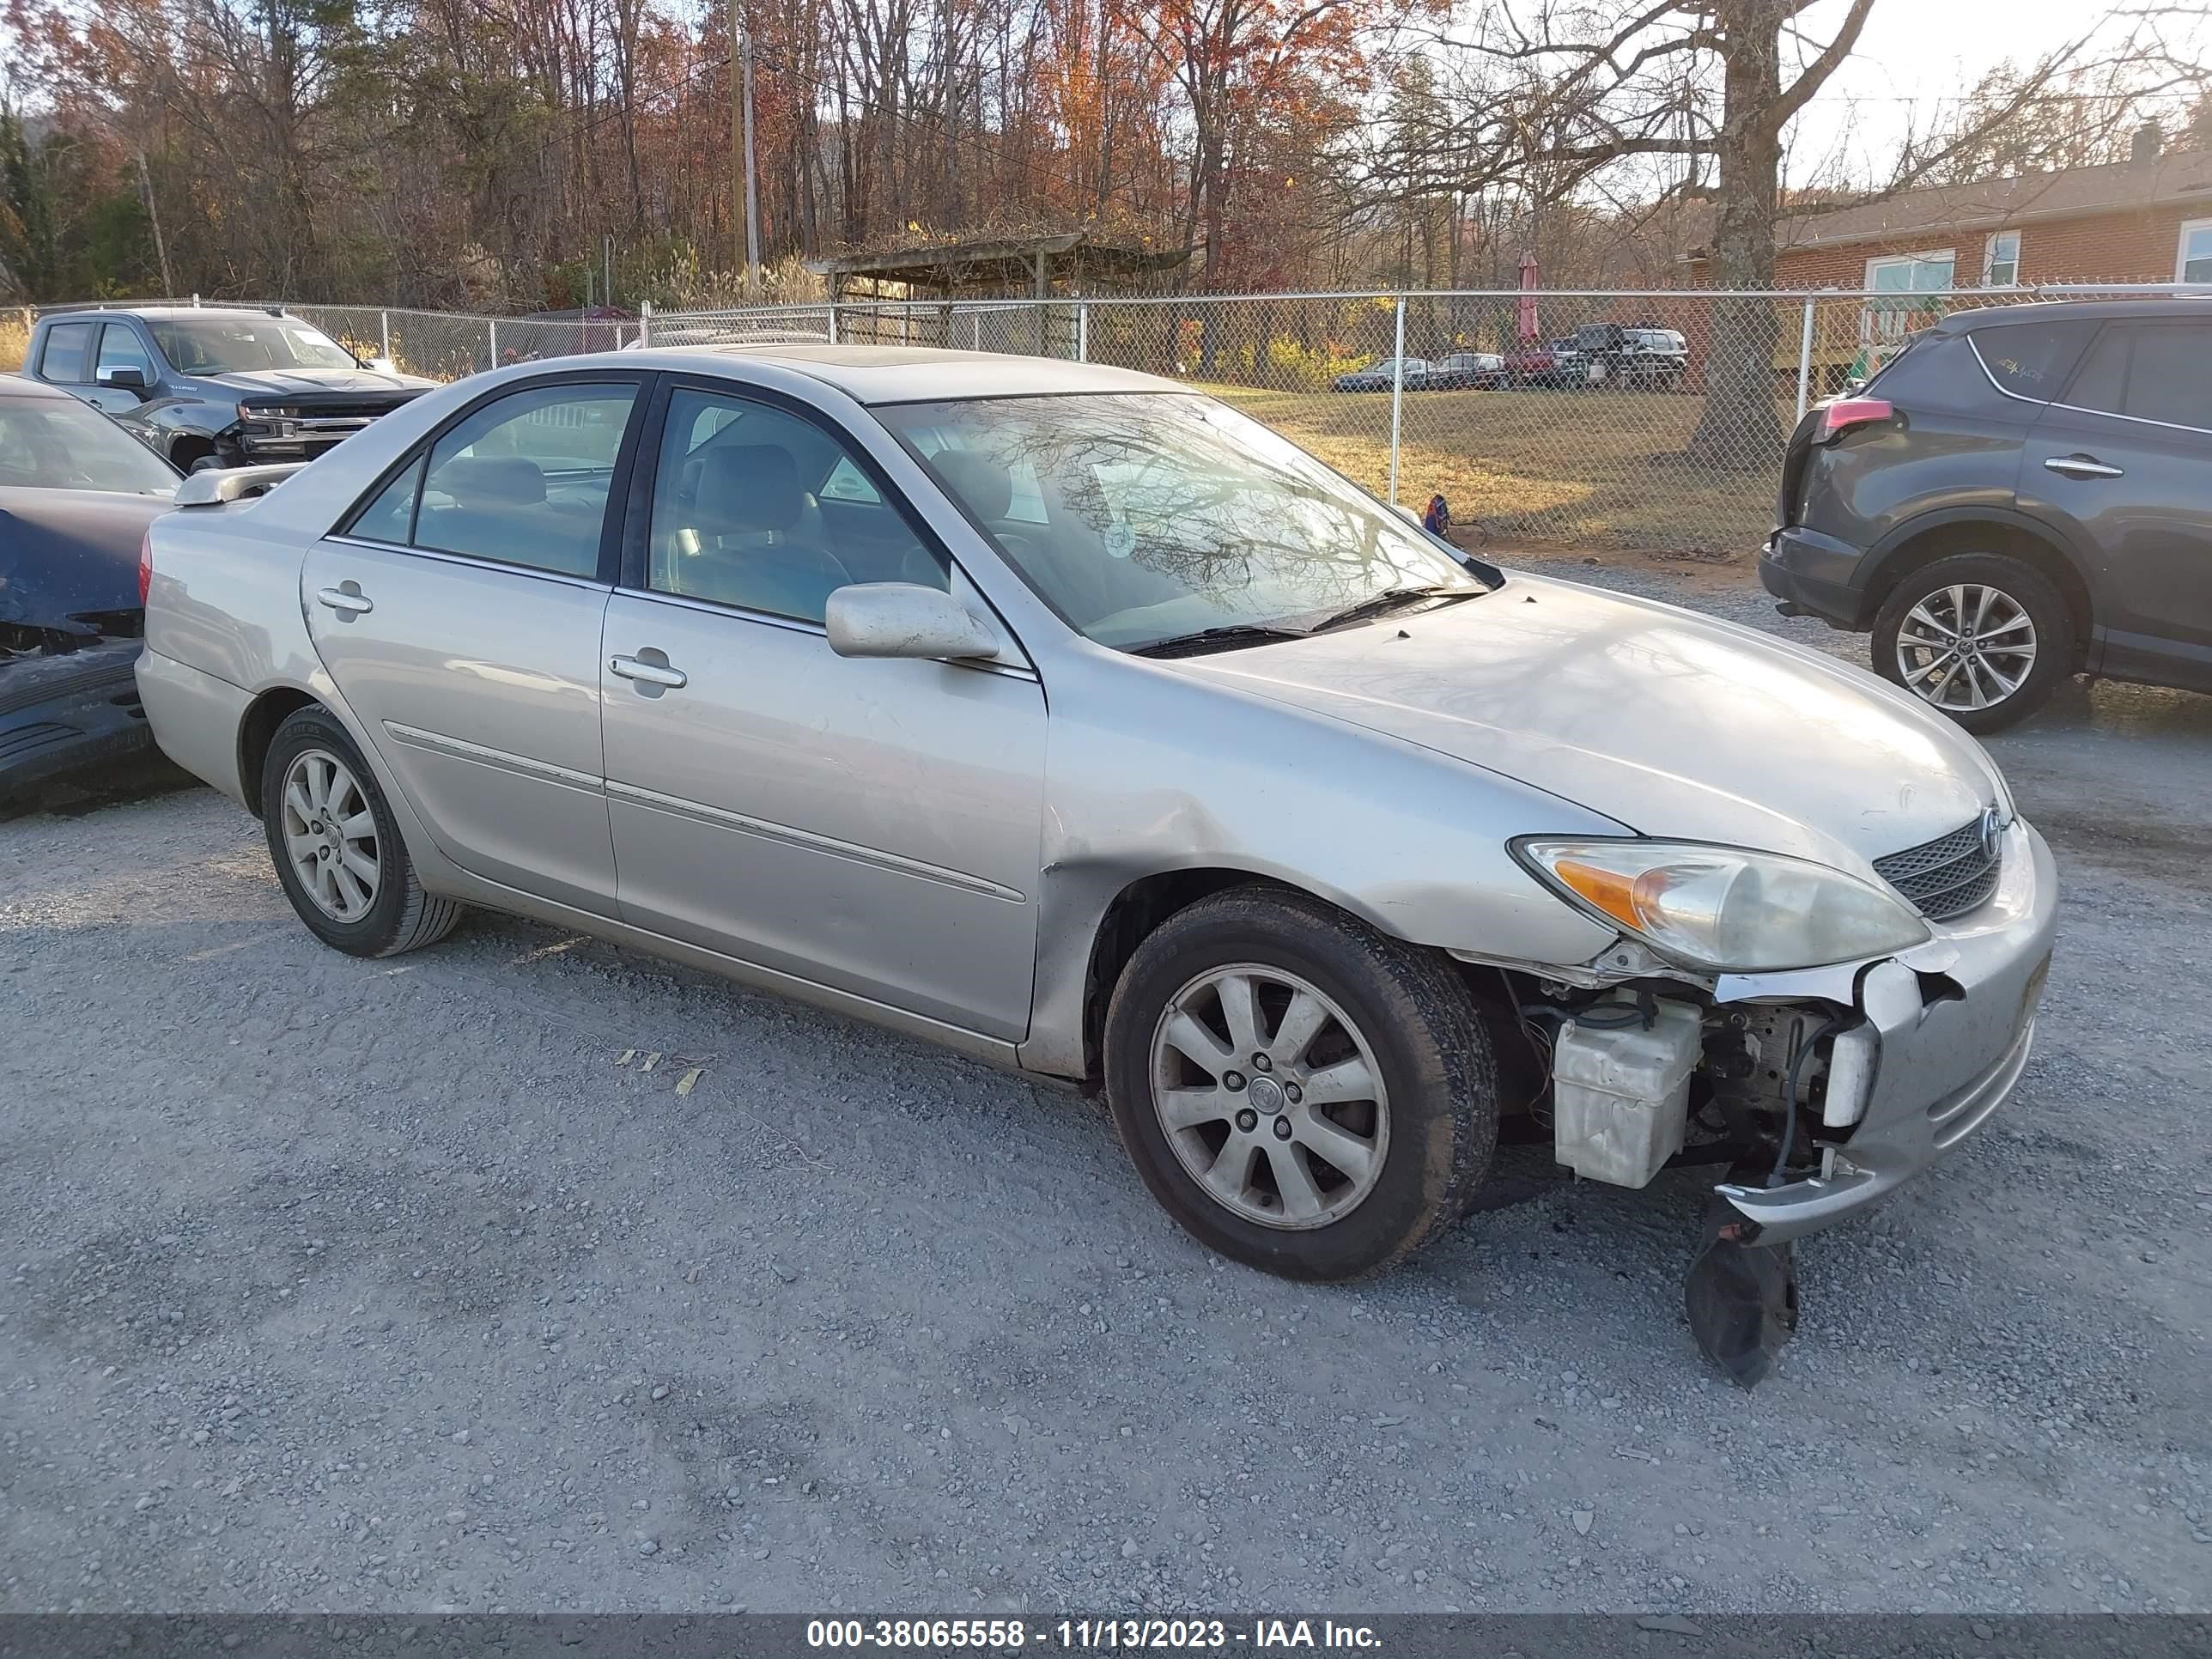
point(1392, 600)
point(1226, 638)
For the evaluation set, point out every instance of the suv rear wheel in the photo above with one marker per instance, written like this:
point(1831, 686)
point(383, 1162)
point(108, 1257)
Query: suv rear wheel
point(1982, 636)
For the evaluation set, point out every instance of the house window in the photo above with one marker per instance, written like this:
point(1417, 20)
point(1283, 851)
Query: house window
point(2194, 262)
point(2000, 263)
point(1886, 322)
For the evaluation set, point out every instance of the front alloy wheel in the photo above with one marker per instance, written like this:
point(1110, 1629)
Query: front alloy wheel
point(1301, 1092)
point(1270, 1097)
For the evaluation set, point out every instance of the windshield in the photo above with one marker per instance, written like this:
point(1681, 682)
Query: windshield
point(62, 444)
point(230, 345)
point(1150, 516)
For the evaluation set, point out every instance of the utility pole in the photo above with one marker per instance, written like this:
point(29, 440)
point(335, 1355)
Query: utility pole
point(153, 218)
point(741, 101)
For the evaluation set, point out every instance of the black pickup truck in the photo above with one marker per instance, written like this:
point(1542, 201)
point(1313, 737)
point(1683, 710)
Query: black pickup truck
point(204, 386)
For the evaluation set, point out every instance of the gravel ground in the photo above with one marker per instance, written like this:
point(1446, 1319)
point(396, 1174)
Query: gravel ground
point(332, 1285)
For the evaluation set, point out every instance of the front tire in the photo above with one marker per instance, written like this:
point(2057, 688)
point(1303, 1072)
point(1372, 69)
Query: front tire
point(1301, 1093)
point(336, 847)
point(1981, 637)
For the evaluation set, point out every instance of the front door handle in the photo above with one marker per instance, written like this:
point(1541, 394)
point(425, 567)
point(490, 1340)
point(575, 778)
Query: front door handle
point(2082, 466)
point(651, 673)
point(347, 601)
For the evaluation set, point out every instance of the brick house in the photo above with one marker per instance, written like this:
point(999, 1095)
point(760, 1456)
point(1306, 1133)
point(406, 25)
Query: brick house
point(2148, 219)
point(2145, 220)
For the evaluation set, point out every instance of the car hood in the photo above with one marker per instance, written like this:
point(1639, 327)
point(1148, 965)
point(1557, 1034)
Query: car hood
point(1667, 722)
point(320, 379)
point(69, 558)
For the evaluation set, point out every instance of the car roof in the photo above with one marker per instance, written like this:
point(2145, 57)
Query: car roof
point(94, 313)
point(17, 386)
point(2197, 307)
point(907, 374)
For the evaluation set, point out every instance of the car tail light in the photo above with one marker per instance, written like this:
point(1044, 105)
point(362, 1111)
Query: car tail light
point(1848, 414)
point(145, 566)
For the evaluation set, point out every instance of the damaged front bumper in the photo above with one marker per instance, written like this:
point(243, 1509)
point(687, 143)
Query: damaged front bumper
point(1947, 1028)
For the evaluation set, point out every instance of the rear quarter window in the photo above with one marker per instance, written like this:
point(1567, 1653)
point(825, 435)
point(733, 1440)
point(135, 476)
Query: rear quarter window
point(2033, 360)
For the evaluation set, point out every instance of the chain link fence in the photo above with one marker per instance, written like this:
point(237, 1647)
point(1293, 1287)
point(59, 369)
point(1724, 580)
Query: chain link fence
point(1652, 420)
point(438, 345)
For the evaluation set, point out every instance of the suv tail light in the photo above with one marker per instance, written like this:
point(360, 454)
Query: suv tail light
point(145, 567)
point(1848, 414)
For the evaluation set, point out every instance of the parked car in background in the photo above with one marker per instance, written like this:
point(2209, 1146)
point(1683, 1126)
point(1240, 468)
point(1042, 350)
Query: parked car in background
point(1539, 365)
point(77, 493)
point(205, 386)
point(2023, 495)
point(1380, 377)
point(1466, 371)
point(1610, 354)
point(1074, 720)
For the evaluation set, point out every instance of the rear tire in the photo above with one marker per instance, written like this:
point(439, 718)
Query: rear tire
point(1981, 637)
point(336, 847)
point(1394, 1152)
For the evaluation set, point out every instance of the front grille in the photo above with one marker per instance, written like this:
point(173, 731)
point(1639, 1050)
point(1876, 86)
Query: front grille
point(1946, 877)
point(334, 406)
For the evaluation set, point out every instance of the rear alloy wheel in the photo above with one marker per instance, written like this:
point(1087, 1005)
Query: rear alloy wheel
point(1301, 1093)
point(1981, 637)
point(329, 835)
point(337, 848)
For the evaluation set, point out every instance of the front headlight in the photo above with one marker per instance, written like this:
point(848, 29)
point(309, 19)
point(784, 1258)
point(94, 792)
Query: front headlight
point(1722, 908)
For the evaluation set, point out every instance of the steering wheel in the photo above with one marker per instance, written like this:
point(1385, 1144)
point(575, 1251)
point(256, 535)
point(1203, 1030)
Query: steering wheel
point(792, 579)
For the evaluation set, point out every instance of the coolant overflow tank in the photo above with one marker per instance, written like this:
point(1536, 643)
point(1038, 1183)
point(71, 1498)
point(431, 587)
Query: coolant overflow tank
point(1620, 1094)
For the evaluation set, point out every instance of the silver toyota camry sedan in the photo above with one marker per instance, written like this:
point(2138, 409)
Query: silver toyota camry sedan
point(1071, 719)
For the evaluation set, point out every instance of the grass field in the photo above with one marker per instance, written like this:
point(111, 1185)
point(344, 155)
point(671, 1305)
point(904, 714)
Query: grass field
point(1592, 468)
point(1553, 468)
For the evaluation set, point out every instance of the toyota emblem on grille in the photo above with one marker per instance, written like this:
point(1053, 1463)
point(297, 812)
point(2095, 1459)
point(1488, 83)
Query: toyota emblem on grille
point(1993, 824)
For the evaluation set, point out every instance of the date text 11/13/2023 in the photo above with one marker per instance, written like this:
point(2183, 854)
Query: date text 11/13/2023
point(1090, 1635)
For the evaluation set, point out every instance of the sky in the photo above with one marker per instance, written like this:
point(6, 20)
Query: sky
point(1915, 57)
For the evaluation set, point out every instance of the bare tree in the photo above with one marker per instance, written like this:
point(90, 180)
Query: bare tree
point(1698, 94)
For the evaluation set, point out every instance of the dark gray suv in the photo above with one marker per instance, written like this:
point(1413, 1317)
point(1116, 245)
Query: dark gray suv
point(2023, 495)
point(207, 385)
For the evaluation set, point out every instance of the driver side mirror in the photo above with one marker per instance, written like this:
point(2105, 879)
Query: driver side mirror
point(904, 619)
point(122, 377)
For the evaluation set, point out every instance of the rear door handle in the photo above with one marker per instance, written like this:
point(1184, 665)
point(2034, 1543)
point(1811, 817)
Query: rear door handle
point(2082, 466)
point(652, 673)
point(347, 601)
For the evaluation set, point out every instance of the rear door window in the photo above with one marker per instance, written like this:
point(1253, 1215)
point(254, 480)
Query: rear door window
point(2033, 360)
point(523, 480)
point(62, 358)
